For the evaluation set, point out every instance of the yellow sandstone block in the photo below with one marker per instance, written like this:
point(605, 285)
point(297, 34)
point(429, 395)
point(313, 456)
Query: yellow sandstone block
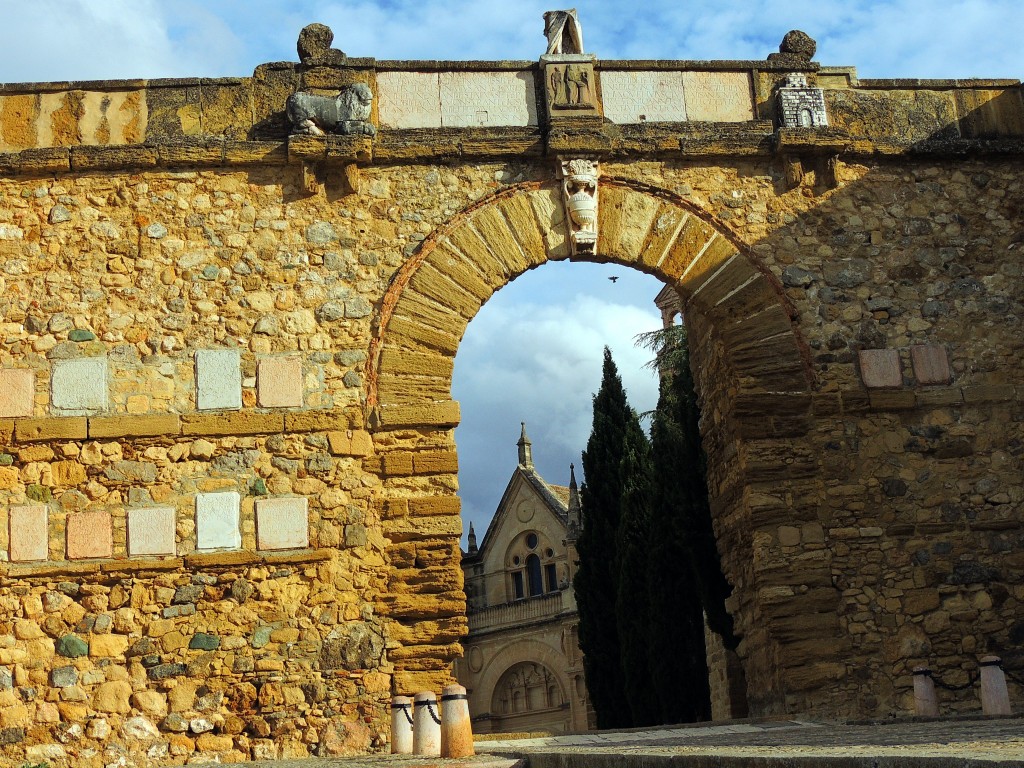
point(135, 426)
point(35, 430)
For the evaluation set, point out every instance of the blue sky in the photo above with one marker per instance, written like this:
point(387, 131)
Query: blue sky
point(534, 351)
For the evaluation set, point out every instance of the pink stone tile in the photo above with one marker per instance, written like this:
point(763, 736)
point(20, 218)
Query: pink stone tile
point(17, 392)
point(279, 382)
point(282, 523)
point(931, 365)
point(30, 535)
point(880, 368)
point(89, 535)
point(151, 531)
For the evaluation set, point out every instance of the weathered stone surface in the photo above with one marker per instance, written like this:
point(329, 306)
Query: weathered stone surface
point(113, 697)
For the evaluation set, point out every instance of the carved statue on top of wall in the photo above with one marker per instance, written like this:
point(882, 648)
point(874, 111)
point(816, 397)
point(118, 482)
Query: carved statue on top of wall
point(563, 32)
point(314, 47)
point(346, 113)
point(796, 49)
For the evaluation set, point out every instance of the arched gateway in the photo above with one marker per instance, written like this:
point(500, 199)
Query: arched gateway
point(748, 351)
point(229, 518)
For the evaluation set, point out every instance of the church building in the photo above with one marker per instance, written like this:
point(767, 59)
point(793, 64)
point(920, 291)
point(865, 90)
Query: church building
point(522, 667)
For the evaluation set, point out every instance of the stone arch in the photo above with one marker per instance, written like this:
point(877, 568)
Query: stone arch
point(432, 298)
point(522, 652)
point(754, 379)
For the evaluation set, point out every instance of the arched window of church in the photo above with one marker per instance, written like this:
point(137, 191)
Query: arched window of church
point(533, 575)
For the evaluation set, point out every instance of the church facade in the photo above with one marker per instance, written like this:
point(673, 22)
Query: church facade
point(522, 668)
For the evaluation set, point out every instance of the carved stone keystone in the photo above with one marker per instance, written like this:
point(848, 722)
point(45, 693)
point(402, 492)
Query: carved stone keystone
point(579, 191)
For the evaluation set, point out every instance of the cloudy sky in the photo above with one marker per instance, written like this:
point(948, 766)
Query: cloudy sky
point(534, 352)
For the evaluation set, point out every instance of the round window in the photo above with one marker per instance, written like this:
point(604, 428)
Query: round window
point(549, 552)
point(516, 560)
point(531, 540)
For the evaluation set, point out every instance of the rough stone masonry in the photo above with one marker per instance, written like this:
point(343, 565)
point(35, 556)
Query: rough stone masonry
point(227, 468)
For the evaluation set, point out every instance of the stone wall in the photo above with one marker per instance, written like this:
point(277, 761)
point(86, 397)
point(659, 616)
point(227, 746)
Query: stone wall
point(227, 463)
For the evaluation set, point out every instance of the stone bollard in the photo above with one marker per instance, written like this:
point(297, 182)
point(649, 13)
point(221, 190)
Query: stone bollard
point(926, 703)
point(426, 727)
point(401, 725)
point(456, 728)
point(995, 699)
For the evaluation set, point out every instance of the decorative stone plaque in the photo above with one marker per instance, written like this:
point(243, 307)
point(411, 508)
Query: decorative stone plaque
point(880, 368)
point(151, 531)
point(282, 523)
point(29, 533)
point(17, 392)
point(217, 521)
point(79, 387)
point(800, 105)
point(218, 379)
point(279, 382)
point(570, 86)
point(89, 535)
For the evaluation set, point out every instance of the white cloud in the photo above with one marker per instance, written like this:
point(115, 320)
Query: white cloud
point(533, 354)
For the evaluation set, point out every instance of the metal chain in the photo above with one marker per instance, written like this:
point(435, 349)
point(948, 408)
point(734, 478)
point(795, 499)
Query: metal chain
point(969, 684)
point(430, 709)
point(405, 711)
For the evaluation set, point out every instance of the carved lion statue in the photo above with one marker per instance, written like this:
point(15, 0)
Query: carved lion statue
point(347, 113)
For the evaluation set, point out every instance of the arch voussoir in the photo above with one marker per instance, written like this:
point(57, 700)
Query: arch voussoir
point(442, 283)
point(494, 230)
point(521, 217)
point(690, 241)
point(665, 227)
point(625, 218)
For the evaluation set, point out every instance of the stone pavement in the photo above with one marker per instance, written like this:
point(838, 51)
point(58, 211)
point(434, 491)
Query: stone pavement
point(918, 742)
point(963, 742)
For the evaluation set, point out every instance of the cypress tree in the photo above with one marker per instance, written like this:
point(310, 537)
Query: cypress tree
point(685, 571)
point(633, 610)
point(596, 580)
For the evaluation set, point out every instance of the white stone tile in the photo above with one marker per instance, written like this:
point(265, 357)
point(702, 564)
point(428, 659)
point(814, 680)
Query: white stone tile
point(720, 97)
point(409, 99)
point(29, 533)
point(79, 387)
point(151, 531)
point(217, 521)
point(218, 379)
point(487, 98)
point(282, 523)
point(636, 97)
